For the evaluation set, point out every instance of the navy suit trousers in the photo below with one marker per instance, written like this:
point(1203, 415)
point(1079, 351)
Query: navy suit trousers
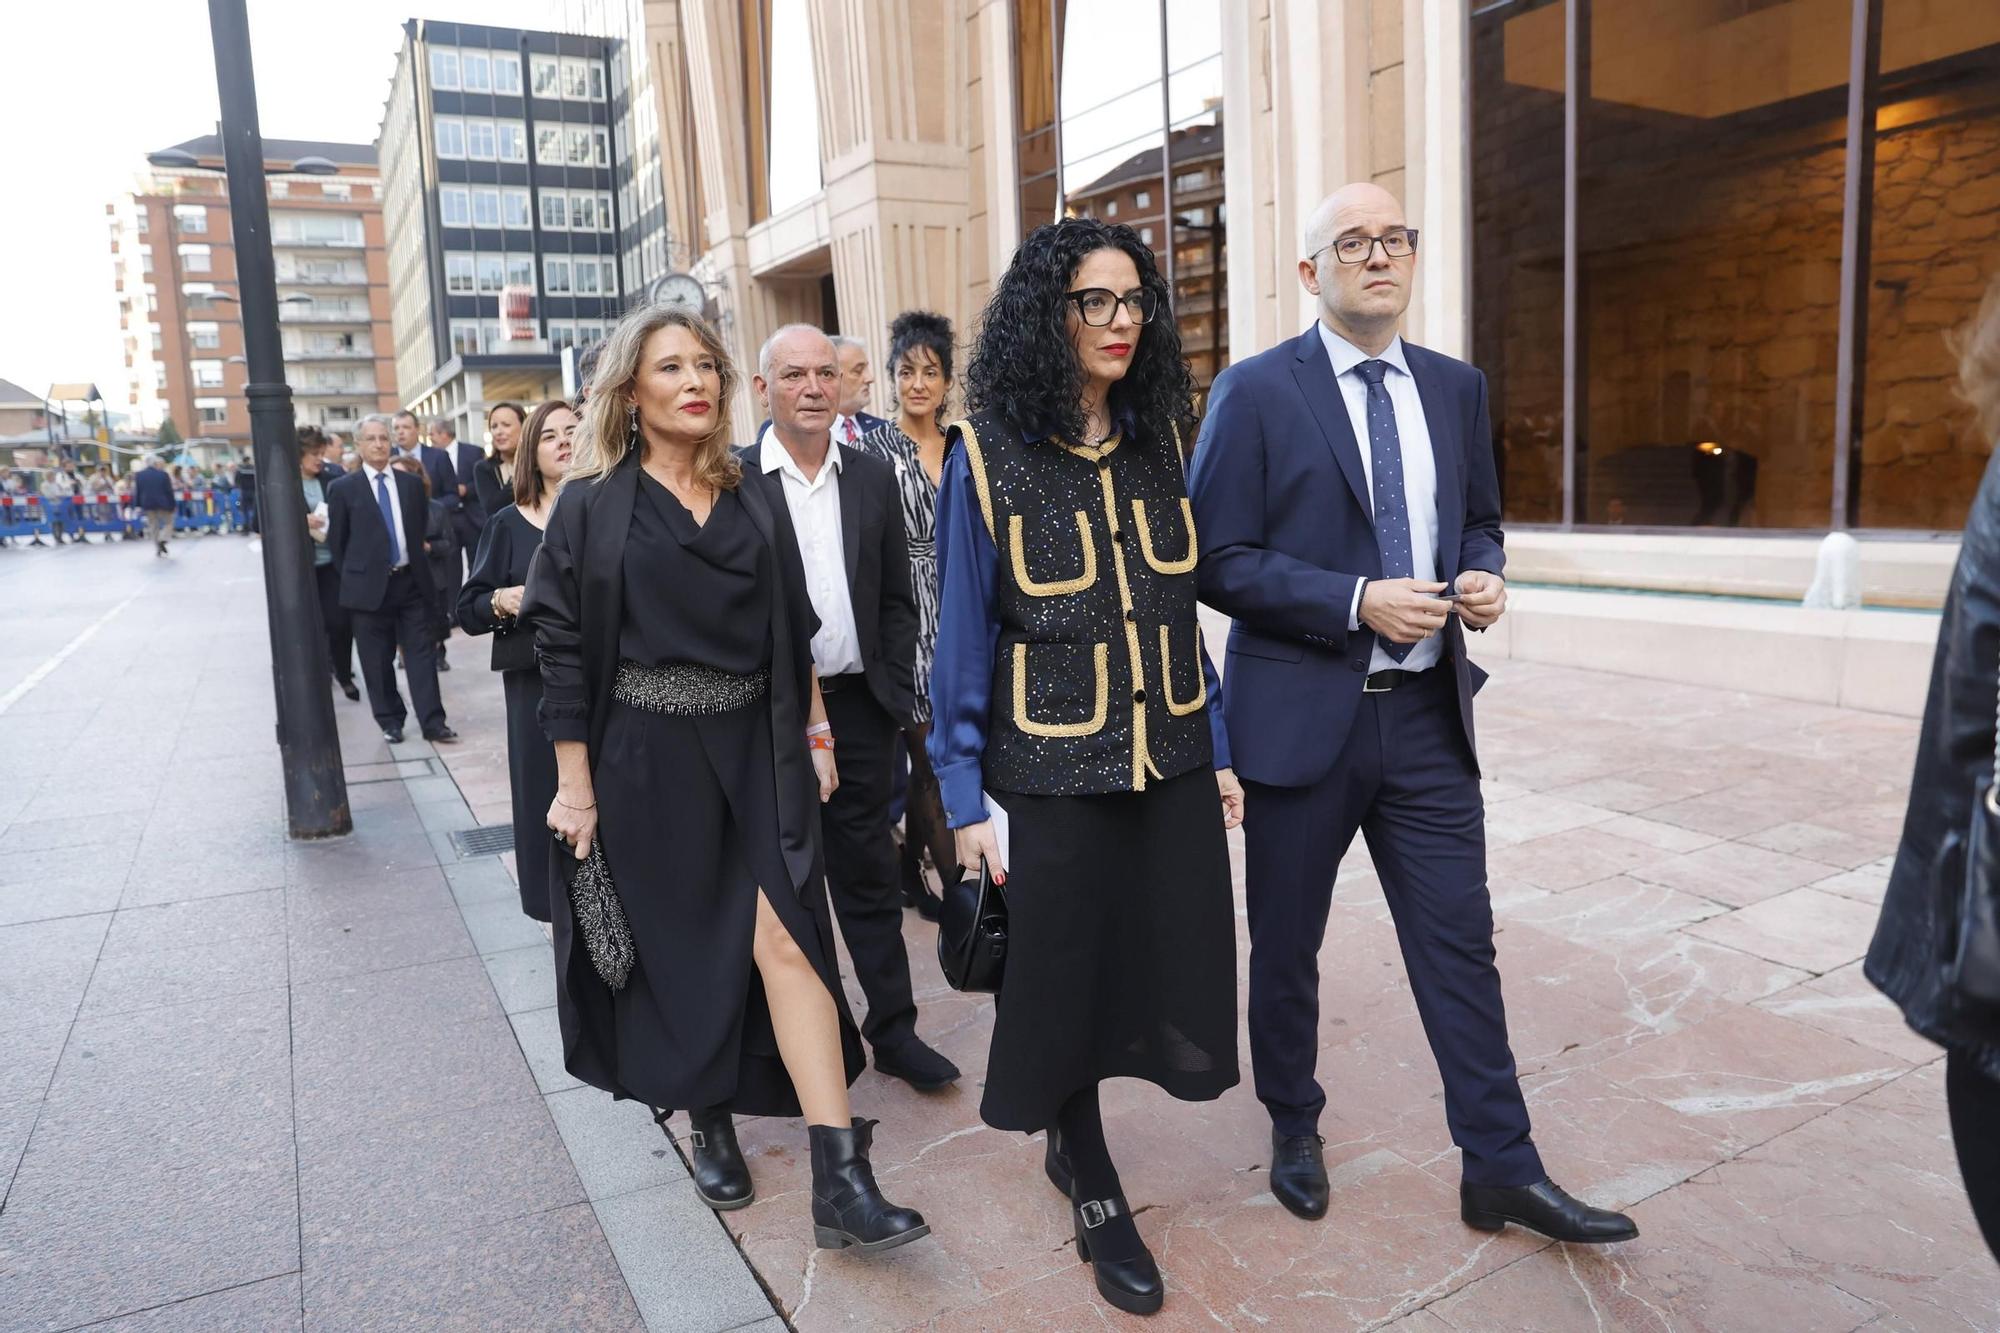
point(1407, 782)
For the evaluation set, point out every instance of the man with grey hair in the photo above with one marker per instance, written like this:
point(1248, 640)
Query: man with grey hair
point(1349, 511)
point(375, 523)
point(857, 388)
point(153, 497)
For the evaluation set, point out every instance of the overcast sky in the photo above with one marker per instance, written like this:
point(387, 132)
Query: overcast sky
point(92, 86)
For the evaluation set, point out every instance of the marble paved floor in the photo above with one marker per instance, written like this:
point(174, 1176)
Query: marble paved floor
point(1684, 881)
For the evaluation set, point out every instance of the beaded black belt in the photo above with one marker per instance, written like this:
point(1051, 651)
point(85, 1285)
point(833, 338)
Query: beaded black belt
point(686, 689)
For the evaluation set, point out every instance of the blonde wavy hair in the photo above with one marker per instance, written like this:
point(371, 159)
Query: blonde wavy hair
point(605, 435)
point(1977, 347)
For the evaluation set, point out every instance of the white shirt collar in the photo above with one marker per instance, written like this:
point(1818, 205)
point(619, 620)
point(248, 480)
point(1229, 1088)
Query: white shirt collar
point(374, 472)
point(1346, 356)
point(775, 457)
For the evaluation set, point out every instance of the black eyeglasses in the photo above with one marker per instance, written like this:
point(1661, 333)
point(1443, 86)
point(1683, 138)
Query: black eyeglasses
point(1398, 244)
point(1099, 305)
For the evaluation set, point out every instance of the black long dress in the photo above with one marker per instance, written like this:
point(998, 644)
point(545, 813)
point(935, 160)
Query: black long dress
point(494, 494)
point(688, 811)
point(506, 547)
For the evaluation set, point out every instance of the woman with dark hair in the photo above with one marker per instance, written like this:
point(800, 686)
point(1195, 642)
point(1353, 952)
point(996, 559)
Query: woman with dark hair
point(674, 630)
point(1938, 863)
point(490, 603)
point(920, 351)
point(1071, 683)
point(493, 475)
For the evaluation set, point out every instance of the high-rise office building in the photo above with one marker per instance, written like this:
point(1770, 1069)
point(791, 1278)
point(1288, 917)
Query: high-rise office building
point(501, 213)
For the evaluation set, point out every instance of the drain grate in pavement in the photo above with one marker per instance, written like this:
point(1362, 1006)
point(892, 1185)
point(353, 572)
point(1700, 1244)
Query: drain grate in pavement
point(488, 841)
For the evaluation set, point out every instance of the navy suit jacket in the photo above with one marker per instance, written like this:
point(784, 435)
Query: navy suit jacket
point(464, 459)
point(359, 541)
point(152, 489)
point(1286, 524)
point(444, 478)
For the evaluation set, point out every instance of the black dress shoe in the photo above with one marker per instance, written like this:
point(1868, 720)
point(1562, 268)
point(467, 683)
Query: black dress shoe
point(1543, 1207)
point(1107, 1240)
point(393, 735)
point(916, 889)
point(847, 1205)
point(347, 687)
point(1056, 1164)
point(917, 1065)
point(443, 735)
point(721, 1176)
point(1298, 1173)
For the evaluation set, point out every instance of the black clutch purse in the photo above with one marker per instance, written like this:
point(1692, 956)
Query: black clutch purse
point(600, 919)
point(972, 933)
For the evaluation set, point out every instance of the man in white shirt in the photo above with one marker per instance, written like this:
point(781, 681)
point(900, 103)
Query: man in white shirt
point(848, 515)
point(1349, 511)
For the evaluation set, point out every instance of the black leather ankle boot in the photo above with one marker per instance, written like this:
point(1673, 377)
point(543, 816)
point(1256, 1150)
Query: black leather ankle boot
point(1109, 1241)
point(721, 1176)
point(847, 1205)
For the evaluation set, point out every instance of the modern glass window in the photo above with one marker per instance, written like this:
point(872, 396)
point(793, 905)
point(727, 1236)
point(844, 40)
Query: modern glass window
point(562, 334)
point(475, 71)
point(159, 375)
point(479, 143)
point(335, 190)
point(207, 374)
point(583, 210)
point(514, 210)
point(597, 80)
point(199, 295)
point(492, 271)
point(458, 273)
point(609, 270)
point(194, 258)
point(555, 275)
point(190, 219)
point(490, 336)
point(794, 104)
point(454, 206)
point(1709, 383)
point(485, 206)
point(585, 277)
point(547, 76)
point(450, 135)
point(465, 337)
point(208, 411)
point(555, 210)
point(521, 271)
point(506, 74)
point(549, 145)
point(338, 229)
point(204, 335)
point(575, 79)
point(604, 210)
point(513, 140)
point(444, 68)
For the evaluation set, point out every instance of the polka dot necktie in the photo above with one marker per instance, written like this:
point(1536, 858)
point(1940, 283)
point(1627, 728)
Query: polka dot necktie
point(1392, 509)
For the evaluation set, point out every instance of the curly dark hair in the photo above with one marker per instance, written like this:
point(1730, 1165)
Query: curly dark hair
point(1023, 366)
point(921, 329)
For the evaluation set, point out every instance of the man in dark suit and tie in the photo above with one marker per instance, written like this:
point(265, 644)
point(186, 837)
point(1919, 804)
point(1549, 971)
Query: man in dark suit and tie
point(849, 517)
point(375, 532)
point(857, 390)
point(1344, 489)
point(452, 458)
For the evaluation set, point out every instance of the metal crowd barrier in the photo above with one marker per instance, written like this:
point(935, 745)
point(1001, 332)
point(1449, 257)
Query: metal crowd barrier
point(205, 509)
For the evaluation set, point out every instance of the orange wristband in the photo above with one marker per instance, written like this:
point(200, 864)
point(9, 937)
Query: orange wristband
point(821, 742)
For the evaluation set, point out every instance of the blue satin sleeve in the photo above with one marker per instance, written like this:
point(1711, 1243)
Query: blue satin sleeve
point(968, 629)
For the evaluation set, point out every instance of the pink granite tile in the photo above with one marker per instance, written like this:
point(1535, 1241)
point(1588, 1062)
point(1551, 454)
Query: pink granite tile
point(1723, 813)
point(1633, 791)
point(1841, 848)
point(1845, 1003)
point(1615, 910)
point(1732, 873)
point(1864, 884)
point(1527, 817)
point(1571, 859)
point(1666, 837)
point(1804, 928)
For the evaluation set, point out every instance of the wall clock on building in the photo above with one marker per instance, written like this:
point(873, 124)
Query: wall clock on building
point(678, 289)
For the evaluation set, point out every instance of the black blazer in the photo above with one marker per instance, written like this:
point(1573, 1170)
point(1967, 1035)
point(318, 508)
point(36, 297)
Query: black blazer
point(465, 461)
point(494, 494)
point(359, 541)
point(575, 606)
point(878, 570)
point(438, 464)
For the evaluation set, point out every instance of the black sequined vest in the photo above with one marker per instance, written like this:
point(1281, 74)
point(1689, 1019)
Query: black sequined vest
point(1097, 683)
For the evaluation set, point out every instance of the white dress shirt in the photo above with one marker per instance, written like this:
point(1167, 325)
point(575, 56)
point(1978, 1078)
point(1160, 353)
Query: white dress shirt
point(1419, 474)
point(402, 541)
point(815, 507)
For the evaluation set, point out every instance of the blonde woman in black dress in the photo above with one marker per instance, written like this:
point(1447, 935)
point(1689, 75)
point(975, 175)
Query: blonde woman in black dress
point(674, 629)
point(920, 356)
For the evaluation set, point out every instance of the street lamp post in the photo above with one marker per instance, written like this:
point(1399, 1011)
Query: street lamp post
point(308, 743)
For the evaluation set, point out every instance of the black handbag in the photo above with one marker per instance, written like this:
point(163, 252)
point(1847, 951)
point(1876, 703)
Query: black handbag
point(1969, 868)
point(972, 933)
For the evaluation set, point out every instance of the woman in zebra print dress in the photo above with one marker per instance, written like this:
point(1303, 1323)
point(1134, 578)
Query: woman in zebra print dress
point(913, 444)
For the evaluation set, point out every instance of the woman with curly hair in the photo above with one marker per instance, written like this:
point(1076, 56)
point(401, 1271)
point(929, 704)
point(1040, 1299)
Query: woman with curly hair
point(920, 352)
point(673, 628)
point(1070, 682)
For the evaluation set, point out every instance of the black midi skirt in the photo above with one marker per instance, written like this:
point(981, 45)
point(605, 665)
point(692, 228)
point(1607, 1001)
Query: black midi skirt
point(687, 810)
point(1121, 960)
point(531, 776)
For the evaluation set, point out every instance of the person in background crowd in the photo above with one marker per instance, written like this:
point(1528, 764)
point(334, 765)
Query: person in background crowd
point(1914, 944)
point(332, 449)
point(246, 488)
point(586, 368)
point(490, 603)
point(349, 460)
point(1121, 959)
point(440, 553)
point(439, 458)
point(339, 627)
point(409, 443)
point(375, 529)
point(920, 355)
point(1343, 481)
point(674, 629)
point(153, 497)
point(857, 390)
point(493, 474)
point(468, 516)
point(312, 440)
point(842, 500)
point(57, 492)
